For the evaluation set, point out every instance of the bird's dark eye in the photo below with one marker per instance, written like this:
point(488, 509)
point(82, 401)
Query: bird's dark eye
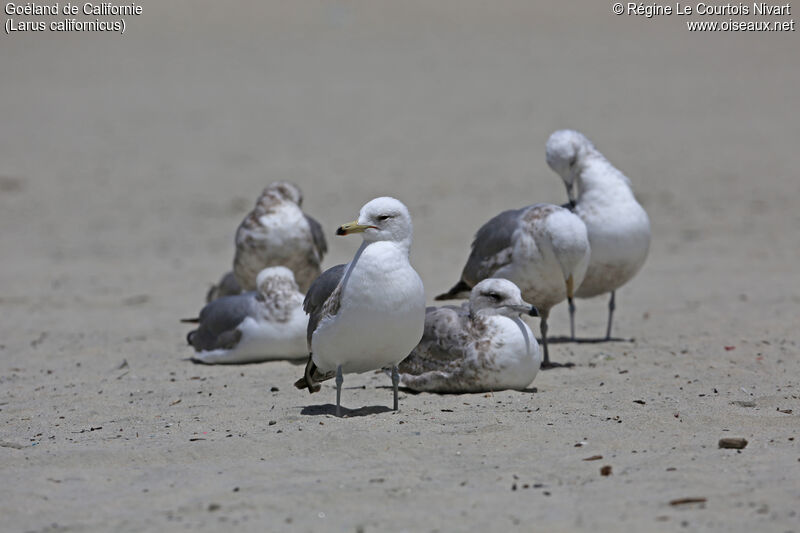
point(493, 295)
point(384, 217)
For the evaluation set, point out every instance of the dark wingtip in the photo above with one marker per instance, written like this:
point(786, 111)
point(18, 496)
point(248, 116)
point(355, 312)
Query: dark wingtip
point(453, 293)
point(303, 384)
point(190, 320)
point(307, 381)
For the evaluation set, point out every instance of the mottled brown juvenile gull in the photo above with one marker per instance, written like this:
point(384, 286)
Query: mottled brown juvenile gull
point(478, 347)
point(618, 227)
point(370, 313)
point(543, 248)
point(261, 325)
point(277, 232)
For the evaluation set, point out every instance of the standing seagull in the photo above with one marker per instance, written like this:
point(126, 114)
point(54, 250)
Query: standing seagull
point(618, 227)
point(277, 232)
point(370, 313)
point(480, 347)
point(542, 248)
point(261, 325)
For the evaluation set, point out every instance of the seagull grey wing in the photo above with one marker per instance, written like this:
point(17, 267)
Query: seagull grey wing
point(492, 247)
point(320, 299)
point(447, 334)
point(227, 286)
point(220, 319)
point(318, 236)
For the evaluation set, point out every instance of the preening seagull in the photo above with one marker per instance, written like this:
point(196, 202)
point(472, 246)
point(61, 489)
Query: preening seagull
point(543, 248)
point(618, 227)
point(370, 313)
point(478, 347)
point(253, 326)
point(277, 232)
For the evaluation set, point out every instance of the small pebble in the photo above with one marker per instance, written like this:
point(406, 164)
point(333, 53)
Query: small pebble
point(732, 442)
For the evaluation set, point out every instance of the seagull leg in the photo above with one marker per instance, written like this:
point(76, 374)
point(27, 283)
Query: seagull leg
point(571, 318)
point(543, 330)
point(570, 292)
point(611, 307)
point(395, 384)
point(546, 363)
point(339, 381)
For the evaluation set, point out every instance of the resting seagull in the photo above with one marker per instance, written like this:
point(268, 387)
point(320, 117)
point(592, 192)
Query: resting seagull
point(618, 227)
point(543, 248)
point(370, 313)
point(479, 347)
point(253, 326)
point(277, 232)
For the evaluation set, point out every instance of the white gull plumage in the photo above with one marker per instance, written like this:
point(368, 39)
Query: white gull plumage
point(478, 347)
point(370, 313)
point(542, 248)
point(618, 227)
point(260, 325)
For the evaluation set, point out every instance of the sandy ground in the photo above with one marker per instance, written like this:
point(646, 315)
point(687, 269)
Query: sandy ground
point(127, 161)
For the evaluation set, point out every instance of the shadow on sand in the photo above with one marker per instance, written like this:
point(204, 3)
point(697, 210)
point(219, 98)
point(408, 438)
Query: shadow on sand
point(412, 392)
point(330, 409)
point(599, 340)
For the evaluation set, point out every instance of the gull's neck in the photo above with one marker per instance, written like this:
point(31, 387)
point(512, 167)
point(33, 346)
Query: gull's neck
point(597, 176)
point(398, 252)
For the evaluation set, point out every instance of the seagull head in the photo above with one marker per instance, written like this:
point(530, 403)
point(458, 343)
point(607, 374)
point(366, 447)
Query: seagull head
point(496, 296)
point(381, 219)
point(565, 151)
point(277, 279)
point(281, 191)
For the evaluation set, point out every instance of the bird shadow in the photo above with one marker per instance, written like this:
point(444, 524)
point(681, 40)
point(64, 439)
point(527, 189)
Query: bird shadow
point(295, 362)
point(412, 392)
point(330, 409)
point(598, 340)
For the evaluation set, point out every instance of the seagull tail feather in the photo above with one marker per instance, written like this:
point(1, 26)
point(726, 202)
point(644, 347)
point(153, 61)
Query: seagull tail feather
point(308, 381)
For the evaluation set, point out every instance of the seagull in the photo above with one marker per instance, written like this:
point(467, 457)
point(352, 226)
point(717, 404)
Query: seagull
point(261, 325)
point(543, 248)
point(277, 232)
point(478, 347)
point(618, 227)
point(370, 313)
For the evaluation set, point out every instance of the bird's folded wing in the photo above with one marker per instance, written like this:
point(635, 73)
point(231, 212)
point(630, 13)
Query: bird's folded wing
point(492, 246)
point(220, 319)
point(317, 303)
point(318, 236)
point(447, 334)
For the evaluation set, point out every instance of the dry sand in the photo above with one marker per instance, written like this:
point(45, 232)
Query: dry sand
point(127, 161)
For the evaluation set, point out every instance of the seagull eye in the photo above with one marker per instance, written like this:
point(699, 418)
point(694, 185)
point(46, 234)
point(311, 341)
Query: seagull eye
point(494, 296)
point(381, 218)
